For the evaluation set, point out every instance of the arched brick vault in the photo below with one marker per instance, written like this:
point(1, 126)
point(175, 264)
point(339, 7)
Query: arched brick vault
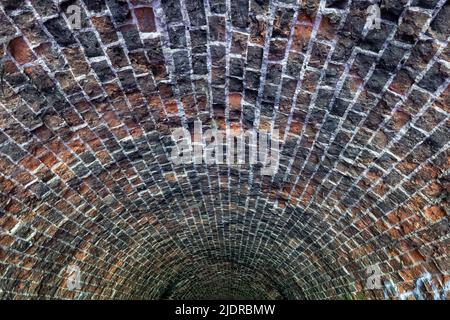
point(86, 177)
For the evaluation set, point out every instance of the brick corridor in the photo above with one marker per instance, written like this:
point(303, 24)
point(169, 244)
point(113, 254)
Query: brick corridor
point(87, 180)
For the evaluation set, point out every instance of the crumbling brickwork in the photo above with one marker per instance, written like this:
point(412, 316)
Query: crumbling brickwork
point(86, 177)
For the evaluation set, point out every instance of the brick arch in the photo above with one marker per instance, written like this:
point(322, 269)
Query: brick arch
point(87, 177)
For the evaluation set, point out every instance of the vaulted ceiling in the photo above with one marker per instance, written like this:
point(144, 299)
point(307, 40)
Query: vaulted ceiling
point(87, 179)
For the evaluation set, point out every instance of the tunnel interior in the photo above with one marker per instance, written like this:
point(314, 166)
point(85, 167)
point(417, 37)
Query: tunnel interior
point(91, 92)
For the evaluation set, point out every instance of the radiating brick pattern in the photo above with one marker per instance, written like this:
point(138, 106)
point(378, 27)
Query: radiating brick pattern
point(86, 177)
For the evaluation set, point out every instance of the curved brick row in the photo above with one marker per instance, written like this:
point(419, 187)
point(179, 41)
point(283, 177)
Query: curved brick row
point(87, 178)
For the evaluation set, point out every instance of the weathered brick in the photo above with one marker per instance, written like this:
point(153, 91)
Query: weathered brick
point(146, 19)
point(20, 51)
point(60, 31)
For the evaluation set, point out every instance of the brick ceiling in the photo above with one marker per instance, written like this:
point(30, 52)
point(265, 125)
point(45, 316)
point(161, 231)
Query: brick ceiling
point(86, 179)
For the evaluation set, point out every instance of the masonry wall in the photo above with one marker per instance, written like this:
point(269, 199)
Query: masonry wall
point(87, 180)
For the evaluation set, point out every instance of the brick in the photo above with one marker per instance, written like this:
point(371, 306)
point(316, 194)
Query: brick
point(146, 19)
point(20, 51)
point(105, 28)
point(434, 213)
point(439, 25)
point(60, 31)
point(412, 23)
